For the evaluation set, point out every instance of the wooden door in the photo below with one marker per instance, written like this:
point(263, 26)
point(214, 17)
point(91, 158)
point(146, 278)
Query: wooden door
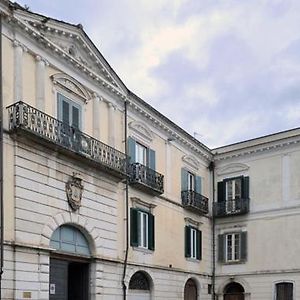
point(58, 285)
point(190, 290)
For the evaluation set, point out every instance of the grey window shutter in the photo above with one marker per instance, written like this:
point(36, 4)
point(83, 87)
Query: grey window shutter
point(65, 112)
point(198, 184)
point(151, 159)
point(244, 246)
point(131, 150)
point(187, 241)
point(75, 117)
point(199, 245)
point(134, 227)
point(221, 247)
point(184, 179)
point(151, 232)
point(221, 191)
point(245, 188)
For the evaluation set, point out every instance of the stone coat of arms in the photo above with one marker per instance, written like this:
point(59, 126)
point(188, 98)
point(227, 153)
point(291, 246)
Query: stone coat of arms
point(74, 189)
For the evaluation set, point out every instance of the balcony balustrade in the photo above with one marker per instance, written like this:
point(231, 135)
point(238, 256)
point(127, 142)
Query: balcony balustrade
point(194, 201)
point(54, 133)
point(231, 207)
point(146, 179)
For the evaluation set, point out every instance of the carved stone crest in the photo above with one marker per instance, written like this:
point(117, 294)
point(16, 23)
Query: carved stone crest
point(74, 189)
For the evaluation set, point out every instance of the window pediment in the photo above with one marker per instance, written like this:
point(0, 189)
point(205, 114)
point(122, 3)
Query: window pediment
point(141, 130)
point(233, 168)
point(191, 161)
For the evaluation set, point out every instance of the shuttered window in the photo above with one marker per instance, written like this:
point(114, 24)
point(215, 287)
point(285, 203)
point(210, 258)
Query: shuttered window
point(139, 153)
point(284, 291)
point(69, 112)
point(190, 182)
point(193, 243)
point(232, 247)
point(141, 229)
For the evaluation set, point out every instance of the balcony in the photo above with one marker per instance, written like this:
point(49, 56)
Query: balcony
point(146, 179)
point(28, 122)
point(194, 202)
point(231, 208)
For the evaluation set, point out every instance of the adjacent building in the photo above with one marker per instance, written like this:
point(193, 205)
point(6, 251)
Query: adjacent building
point(106, 198)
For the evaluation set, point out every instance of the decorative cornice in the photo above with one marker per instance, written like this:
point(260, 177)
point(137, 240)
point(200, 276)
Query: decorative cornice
point(141, 130)
point(138, 203)
point(191, 161)
point(233, 168)
point(192, 222)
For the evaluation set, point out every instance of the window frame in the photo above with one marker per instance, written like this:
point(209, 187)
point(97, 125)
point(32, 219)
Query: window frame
point(140, 148)
point(143, 229)
point(235, 257)
point(193, 242)
point(283, 282)
point(191, 181)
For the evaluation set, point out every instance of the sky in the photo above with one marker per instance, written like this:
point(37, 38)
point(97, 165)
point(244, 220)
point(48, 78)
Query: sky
point(223, 70)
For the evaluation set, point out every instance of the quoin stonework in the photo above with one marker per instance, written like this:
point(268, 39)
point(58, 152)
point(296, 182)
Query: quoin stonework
point(106, 198)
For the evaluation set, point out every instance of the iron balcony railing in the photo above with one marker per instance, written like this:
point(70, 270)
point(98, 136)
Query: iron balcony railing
point(146, 178)
point(194, 201)
point(37, 123)
point(231, 207)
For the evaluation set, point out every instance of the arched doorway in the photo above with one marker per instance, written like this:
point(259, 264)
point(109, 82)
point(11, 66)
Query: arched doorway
point(69, 265)
point(190, 290)
point(234, 291)
point(139, 287)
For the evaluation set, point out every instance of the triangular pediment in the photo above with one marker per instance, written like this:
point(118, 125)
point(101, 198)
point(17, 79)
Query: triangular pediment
point(76, 46)
point(233, 168)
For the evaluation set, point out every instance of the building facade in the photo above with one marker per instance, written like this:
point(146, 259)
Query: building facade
point(106, 198)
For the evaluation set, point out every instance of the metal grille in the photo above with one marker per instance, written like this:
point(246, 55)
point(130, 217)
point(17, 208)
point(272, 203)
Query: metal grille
point(139, 281)
point(231, 207)
point(193, 200)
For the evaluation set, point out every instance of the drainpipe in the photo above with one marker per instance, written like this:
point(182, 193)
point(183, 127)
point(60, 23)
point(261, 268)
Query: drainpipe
point(126, 203)
point(1, 163)
point(213, 295)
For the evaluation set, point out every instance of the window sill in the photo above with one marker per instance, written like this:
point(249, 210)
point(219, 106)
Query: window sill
point(144, 250)
point(236, 262)
point(195, 260)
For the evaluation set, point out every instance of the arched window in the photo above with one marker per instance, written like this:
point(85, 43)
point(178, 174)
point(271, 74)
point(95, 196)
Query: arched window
point(69, 239)
point(139, 281)
point(234, 291)
point(190, 290)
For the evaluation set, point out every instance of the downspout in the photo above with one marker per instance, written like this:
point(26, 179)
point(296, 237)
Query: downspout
point(126, 204)
point(212, 169)
point(1, 162)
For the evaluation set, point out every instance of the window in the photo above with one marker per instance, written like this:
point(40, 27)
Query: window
point(232, 247)
point(284, 291)
point(141, 154)
point(69, 112)
point(141, 229)
point(233, 188)
point(193, 242)
point(190, 182)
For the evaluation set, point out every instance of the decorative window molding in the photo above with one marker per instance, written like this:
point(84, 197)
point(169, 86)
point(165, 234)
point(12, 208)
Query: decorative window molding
point(233, 168)
point(141, 130)
point(72, 86)
point(140, 204)
point(191, 222)
point(191, 161)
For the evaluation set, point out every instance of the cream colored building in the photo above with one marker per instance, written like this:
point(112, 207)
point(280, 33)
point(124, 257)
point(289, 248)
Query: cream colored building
point(106, 198)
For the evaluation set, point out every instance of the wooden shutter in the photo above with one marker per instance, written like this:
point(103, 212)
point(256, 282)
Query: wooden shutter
point(199, 245)
point(245, 188)
point(134, 227)
point(65, 112)
point(198, 184)
point(243, 245)
point(75, 117)
point(221, 247)
point(187, 241)
point(131, 150)
point(184, 179)
point(151, 232)
point(221, 191)
point(151, 159)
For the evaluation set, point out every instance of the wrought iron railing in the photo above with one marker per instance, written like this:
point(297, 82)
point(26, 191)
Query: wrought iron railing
point(194, 201)
point(25, 117)
point(146, 177)
point(231, 207)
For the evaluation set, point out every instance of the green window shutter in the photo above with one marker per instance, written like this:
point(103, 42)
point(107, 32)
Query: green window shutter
point(198, 184)
point(199, 245)
point(134, 227)
point(187, 241)
point(221, 191)
point(151, 159)
point(221, 247)
point(184, 179)
point(151, 232)
point(244, 246)
point(65, 112)
point(75, 117)
point(131, 149)
point(245, 188)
